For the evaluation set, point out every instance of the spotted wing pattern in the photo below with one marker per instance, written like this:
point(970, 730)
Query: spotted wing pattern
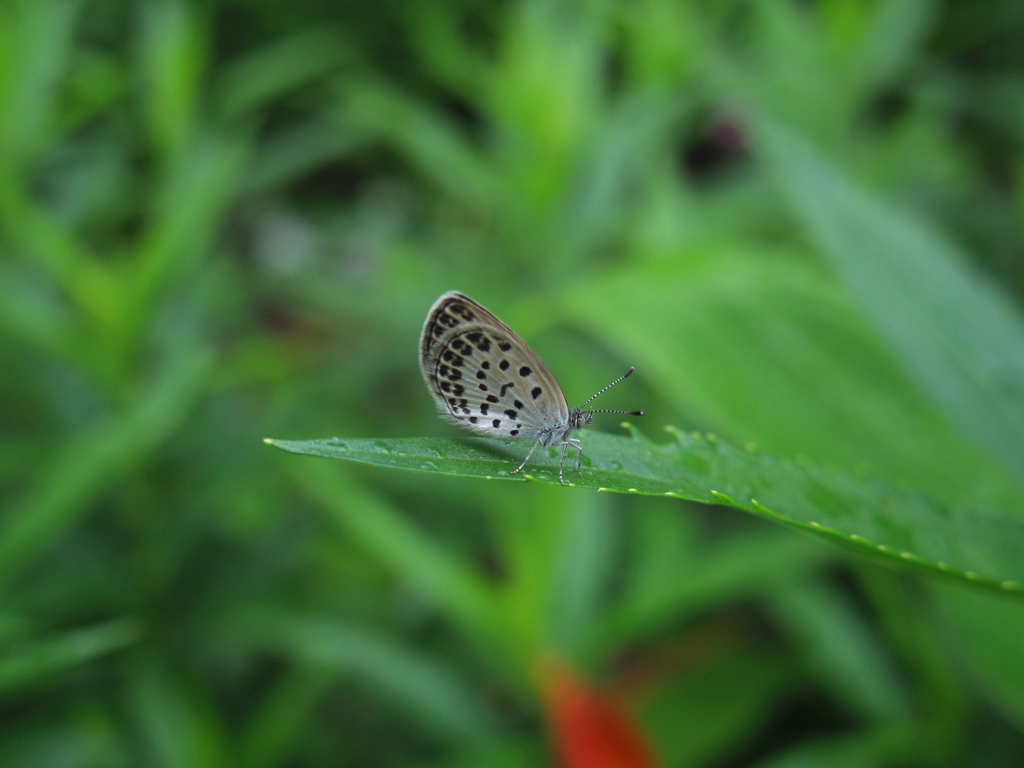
point(483, 377)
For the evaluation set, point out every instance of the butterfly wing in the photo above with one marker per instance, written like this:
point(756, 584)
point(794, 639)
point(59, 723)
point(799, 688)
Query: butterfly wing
point(486, 379)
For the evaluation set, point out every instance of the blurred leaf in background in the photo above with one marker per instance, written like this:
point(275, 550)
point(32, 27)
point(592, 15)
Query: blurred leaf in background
point(224, 221)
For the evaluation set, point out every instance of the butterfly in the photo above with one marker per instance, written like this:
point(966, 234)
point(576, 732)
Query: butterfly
point(486, 379)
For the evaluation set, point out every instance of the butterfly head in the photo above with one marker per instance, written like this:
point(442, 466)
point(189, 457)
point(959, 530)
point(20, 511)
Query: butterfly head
point(580, 419)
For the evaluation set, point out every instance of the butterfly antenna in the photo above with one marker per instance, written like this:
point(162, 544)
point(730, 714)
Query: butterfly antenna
point(626, 375)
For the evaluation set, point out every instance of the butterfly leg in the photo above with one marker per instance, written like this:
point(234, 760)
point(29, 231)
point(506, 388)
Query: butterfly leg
point(579, 455)
point(574, 443)
point(514, 471)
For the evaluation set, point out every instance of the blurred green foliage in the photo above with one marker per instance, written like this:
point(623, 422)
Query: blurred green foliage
point(224, 221)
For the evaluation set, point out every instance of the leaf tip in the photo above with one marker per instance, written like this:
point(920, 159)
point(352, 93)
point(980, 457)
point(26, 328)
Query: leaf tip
point(759, 506)
point(631, 428)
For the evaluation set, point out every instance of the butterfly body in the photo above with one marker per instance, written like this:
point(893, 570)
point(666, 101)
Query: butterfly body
point(485, 378)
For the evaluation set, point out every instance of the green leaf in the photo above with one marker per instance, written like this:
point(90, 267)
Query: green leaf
point(370, 520)
point(175, 718)
point(278, 68)
point(843, 650)
point(426, 687)
point(35, 46)
point(25, 665)
point(989, 628)
point(956, 333)
point(759, 344)
point(715, 707)
point(61, 491)
point(685, 581)
point(978, 546)
point(894, 744)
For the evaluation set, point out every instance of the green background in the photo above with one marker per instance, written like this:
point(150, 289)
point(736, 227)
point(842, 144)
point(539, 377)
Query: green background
point(225, 221)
